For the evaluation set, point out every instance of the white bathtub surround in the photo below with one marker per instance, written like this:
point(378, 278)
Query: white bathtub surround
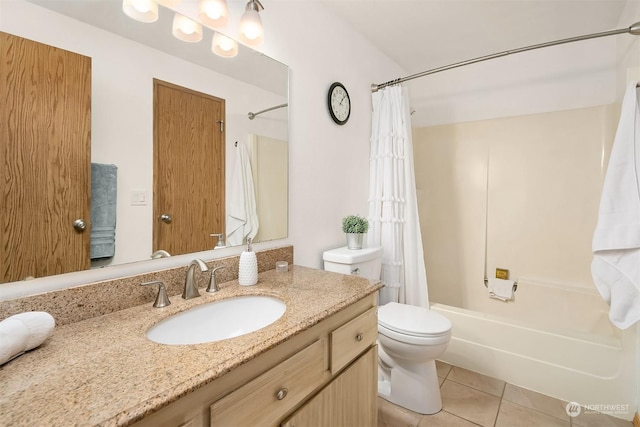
point(616, 240)
point(545, 179)
point(393, 208)
point(589, 362)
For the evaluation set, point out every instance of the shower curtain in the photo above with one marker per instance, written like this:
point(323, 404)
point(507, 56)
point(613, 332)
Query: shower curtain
point(393, 206)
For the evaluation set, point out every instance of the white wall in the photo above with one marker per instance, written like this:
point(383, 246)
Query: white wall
point(329, 164)
point(556, 78)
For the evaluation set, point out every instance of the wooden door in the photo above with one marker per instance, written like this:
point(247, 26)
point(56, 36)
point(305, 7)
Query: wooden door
point(349, 400)
point(45, 159)
point(189, 169)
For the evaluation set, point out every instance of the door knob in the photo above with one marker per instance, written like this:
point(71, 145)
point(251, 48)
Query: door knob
point(79, 224)
point(166, 218)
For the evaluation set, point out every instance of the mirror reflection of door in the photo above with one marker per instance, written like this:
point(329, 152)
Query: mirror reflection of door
point(189, 169)
point(45, 131)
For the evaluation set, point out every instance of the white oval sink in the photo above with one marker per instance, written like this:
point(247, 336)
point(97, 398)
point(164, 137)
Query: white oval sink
point(218, 320)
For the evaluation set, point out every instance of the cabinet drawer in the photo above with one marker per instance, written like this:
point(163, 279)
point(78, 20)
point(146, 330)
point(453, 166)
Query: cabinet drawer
point(266, 399)
point(352, 338)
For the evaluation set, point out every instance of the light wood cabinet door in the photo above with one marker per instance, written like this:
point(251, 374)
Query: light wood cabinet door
point(45, 159)
point(350, 400)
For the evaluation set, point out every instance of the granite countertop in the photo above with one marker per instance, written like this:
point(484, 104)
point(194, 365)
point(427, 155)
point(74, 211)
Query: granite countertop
point(104, 371)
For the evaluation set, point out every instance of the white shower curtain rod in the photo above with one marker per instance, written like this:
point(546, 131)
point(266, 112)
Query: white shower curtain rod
point(633, 29)
point(253, 115)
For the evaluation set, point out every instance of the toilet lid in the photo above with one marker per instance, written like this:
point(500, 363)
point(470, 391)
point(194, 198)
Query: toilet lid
point(412, 320)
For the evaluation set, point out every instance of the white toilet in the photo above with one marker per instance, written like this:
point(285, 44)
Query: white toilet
point(410, 338)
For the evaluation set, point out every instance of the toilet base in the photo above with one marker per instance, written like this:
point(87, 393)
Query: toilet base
point(414, 386)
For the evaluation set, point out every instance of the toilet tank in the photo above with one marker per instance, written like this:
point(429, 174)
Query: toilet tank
point(364, 262)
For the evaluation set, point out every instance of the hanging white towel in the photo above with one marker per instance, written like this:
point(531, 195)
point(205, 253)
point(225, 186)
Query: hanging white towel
point(242, 216)
point(501, 289)
point(616, 240)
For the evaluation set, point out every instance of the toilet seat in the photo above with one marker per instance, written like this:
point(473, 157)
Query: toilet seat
point(411, 321)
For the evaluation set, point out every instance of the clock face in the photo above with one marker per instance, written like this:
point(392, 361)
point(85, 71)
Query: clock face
point(339, 103)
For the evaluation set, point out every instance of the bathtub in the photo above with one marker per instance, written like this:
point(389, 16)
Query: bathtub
point(538, 347)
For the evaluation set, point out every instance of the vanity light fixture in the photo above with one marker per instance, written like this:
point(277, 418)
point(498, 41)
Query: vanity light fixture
point(223, 46)
point(251, 29)
point(141, 10)
point(186, 29)
point(213, 12)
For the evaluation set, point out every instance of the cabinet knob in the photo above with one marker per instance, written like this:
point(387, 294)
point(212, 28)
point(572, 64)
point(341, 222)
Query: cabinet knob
point(359, 337)
point(166, 218)
point(282, 393)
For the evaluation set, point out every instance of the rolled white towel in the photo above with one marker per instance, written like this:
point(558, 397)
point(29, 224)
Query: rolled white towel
point(23, 332)
point(14, 337)
point(501, 289)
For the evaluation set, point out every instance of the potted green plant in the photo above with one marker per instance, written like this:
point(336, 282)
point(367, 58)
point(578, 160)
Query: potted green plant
point(354, 226)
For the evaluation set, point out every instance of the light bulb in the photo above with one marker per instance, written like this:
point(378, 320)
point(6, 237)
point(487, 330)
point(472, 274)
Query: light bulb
point(251, 30)
point(141, 10)
point(186, 29)
point(213, 12)
point(223, 46)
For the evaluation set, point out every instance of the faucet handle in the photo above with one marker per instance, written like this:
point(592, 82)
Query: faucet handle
point(213, 284)
point(162, 300)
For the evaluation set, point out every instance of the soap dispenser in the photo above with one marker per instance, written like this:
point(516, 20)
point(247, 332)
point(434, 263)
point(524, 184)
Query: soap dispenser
point(248, 267)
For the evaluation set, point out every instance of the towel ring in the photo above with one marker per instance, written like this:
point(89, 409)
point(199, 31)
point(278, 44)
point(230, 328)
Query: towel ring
point(515, 284)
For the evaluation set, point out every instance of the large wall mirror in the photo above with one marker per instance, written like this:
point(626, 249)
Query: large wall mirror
point(126, 57)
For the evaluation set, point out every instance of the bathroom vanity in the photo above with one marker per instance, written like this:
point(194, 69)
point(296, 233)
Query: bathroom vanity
point(316, 365)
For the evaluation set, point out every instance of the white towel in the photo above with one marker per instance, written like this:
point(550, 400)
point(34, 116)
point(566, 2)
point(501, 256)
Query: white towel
point(23, 332)
point(616, 241)
point(501, 289)
point(242, 216)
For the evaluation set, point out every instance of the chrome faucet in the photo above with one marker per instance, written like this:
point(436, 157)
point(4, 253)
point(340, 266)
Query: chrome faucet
point(190, 288)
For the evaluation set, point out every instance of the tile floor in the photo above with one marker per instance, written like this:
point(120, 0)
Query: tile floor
point(470, 399)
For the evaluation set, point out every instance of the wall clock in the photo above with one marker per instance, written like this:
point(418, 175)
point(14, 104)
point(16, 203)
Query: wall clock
point(339, 103)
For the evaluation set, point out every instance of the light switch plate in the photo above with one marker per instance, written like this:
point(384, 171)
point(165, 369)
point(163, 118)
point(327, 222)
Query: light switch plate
point(138, 198)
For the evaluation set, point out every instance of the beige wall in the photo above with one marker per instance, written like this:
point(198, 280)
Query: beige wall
point(544, 175)
point(270, 174)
